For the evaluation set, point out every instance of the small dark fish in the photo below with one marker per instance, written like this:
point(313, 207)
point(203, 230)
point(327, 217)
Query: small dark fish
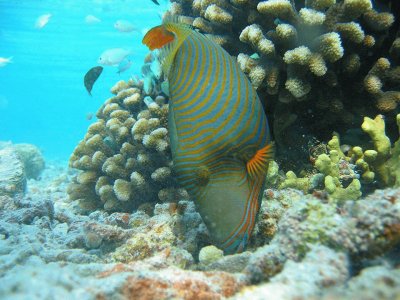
point(91, 77)
point(155, 1)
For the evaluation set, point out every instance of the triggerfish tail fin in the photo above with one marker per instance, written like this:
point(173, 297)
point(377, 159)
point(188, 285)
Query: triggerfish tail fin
point(257, 165)
point(168, 38)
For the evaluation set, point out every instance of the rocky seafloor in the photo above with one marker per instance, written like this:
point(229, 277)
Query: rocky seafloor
point(304, 247)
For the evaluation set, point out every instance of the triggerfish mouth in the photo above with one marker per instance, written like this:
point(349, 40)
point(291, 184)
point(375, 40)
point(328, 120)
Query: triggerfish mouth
point(219, 134)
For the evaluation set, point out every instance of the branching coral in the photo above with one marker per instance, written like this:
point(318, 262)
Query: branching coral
point(342, 175)
point(124, 157)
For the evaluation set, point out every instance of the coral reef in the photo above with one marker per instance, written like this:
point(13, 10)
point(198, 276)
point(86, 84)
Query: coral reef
point(319, 65)
point(125, 157)
point(365, 228)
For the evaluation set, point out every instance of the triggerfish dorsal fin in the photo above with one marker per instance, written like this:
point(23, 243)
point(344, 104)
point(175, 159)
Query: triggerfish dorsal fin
point(167, 37)
point(257, 165)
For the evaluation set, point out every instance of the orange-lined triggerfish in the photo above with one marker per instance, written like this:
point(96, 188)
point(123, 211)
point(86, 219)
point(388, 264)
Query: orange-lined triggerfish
point(219, 134)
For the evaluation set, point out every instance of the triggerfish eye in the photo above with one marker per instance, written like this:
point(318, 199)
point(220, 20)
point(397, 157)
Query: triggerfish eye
point(218, 130)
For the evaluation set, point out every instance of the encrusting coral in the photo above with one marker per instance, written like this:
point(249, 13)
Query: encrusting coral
point(124, 157)
point(324, 62)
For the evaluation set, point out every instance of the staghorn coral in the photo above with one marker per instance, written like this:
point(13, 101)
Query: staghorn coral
point(325, 62)
point(124, 157)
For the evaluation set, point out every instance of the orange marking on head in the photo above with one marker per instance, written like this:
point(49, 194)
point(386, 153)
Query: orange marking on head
point(258, 163)
point(157, 37)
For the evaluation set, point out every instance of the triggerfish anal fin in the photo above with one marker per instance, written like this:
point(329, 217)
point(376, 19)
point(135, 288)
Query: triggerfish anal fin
point(218, 130)
point(257, 165)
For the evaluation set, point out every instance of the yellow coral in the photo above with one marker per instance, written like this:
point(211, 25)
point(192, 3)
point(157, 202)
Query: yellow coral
point(297, 87)
point(388, 101)
point(98, 160)
point(277, 8)
point(369, 41)
point(292, 181)
point(376, 130)
point(351, 63)
point(217, 14)
point(122, 189)
point(372, 84)
point(330, 46)
point(254, 36)
point(161, 174)
point(119, 86)
point(378, 21)
point(317, 64)
point(286, 32)
point(300, 55)
point(320, 4)
point(137, 179)
point(351, 31)
point(355, 8)
point(311, 17)
point(338, 193)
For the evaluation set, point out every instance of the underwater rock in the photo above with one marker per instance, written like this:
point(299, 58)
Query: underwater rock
point(377, 282)
point(32, 159)
point(320, 269)
point(365, 228)
point(12, 173)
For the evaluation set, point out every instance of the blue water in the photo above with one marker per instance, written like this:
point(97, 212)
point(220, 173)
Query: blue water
point(42, 97)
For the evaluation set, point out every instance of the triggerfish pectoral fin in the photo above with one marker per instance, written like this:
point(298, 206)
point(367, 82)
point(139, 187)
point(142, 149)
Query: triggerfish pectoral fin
point(257, 165)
